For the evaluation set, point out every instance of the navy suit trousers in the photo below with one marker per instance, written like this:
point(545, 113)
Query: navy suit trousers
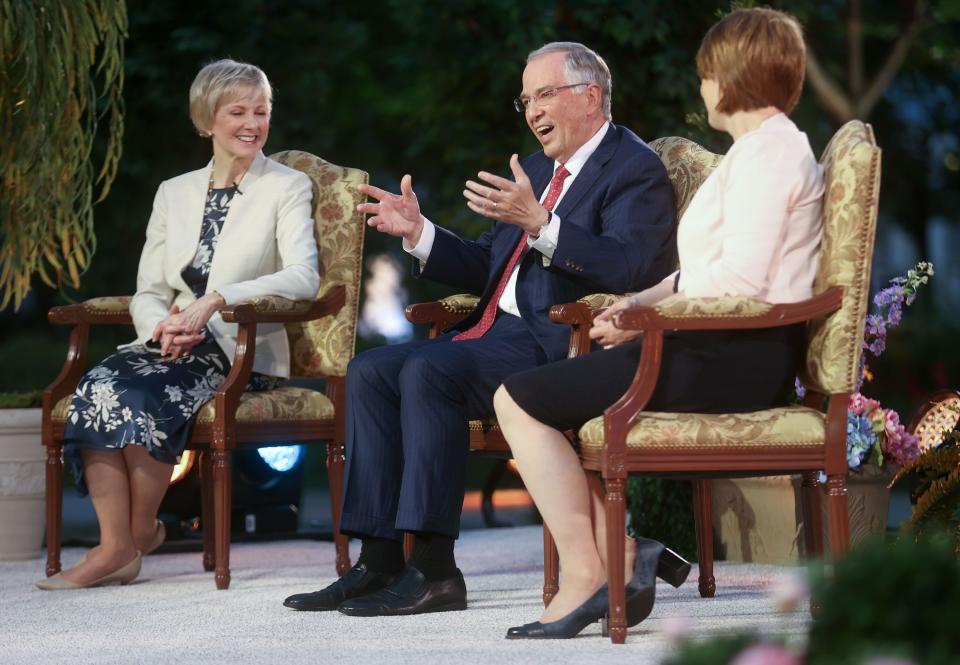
point(407, 408)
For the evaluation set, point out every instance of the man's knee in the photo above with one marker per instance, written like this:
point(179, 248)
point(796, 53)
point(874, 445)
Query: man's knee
point(423, 373)
point(370, 367)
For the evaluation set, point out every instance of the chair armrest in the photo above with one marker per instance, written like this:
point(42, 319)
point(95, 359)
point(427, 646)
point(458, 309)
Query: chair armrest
point(106, 310)
point(441, 314)
point(691, 314)
point(728, 312)
point(274, 309)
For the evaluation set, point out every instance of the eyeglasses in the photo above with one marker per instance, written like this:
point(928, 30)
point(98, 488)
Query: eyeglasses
point(544, 97)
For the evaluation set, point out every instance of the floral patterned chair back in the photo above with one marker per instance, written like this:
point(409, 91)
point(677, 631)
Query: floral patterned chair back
point(851, 164)
point(325, 346)
point(688, 165)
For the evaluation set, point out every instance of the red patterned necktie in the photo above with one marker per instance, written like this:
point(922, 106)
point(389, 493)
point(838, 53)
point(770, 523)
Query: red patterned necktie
point(490, 311)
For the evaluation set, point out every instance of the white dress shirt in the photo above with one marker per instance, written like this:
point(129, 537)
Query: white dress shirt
point(545, 243)
point(753, 228)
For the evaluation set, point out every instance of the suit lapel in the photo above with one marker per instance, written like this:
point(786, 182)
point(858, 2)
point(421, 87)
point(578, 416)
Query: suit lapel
point(591, 170)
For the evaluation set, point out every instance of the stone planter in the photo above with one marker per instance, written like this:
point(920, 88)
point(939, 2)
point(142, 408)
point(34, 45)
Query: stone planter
point(22, 459)
point(759, 519)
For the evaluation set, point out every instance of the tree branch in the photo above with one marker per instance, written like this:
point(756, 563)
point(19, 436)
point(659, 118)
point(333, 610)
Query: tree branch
point(893, 62)
point(835, 100)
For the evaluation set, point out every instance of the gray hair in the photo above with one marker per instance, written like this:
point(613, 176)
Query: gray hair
point(220, 79)
point(583, 65)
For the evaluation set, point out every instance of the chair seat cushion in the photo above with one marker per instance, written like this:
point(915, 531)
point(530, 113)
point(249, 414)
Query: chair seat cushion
point(285, 403)
point(787, 426)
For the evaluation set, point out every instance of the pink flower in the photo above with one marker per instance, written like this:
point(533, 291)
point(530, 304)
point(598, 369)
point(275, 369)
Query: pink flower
point(856, 404)
point(766, 654)
point(891, 423)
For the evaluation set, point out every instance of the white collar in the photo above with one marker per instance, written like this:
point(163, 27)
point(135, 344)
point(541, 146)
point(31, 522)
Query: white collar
point(580, 157)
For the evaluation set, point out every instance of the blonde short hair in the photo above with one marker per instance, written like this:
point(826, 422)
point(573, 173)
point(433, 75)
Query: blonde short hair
point(757, 57)
point(221, 80)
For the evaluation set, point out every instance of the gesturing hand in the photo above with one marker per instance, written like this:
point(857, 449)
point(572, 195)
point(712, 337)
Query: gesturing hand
point(607, 334)
point(396, 215)
point(508, 201)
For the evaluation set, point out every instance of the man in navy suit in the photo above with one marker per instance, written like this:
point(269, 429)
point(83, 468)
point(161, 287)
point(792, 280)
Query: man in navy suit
point(592, 212)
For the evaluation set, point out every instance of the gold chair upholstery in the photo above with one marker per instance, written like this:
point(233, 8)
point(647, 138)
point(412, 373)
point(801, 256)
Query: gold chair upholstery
point(321, 334)
point(796, 439)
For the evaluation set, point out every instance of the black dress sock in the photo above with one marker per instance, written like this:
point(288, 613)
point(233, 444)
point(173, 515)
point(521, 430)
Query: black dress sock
point(433, 556)
point(382, 555)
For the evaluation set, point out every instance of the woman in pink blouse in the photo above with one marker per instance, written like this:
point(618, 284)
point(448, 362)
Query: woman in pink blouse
point(752, 229)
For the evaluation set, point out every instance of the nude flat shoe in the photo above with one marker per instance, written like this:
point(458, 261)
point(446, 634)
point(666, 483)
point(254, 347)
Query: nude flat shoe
point(159, 538)
point(123, 575)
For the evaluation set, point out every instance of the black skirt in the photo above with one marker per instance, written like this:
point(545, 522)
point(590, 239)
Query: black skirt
point(710, 371)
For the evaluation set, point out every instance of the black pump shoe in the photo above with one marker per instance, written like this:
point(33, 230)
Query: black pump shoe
point(569, 626)
point(671, 567)
point(653, 560)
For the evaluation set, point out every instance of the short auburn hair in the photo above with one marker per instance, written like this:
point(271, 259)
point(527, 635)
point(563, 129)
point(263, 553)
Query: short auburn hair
point(757, 57)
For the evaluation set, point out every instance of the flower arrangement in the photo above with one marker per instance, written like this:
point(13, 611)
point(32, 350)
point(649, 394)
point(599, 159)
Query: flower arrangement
point(874, 434)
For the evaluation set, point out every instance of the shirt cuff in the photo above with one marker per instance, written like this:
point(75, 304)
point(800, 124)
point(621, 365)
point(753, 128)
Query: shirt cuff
point(422, 249)
point(546, 242)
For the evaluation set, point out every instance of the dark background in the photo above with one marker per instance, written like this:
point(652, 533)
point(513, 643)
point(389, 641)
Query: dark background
point(426, 87)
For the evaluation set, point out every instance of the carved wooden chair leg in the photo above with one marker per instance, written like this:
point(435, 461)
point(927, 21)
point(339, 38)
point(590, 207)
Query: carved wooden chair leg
point(335, 467)
point(812, 520)
point(551, 567)
point(222, 482)
point(54, 498)
point(207, 518)
point(703, 523)
point(407, 545)
point(615, 509)
point(837, 515)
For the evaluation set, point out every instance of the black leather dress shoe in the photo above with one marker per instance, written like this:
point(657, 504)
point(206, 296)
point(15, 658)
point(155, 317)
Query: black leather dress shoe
point(410, 593)
point(358, 581)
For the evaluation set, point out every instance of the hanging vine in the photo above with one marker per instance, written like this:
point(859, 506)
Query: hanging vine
point(61, 80)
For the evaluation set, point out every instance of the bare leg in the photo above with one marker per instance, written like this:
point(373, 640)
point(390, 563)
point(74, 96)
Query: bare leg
point(600, 526)
point(106, 476)
point(148, 483)
point(552, 473)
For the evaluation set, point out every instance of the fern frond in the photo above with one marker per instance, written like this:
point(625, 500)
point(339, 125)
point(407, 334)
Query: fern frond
point(931, 462)
point(939, 502)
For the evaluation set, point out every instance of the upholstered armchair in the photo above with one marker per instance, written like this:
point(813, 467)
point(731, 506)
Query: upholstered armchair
point(321, 335)
point(688, 165)
point(804, 439)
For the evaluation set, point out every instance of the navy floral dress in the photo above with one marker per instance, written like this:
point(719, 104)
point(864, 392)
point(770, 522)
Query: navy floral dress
point(136, 397)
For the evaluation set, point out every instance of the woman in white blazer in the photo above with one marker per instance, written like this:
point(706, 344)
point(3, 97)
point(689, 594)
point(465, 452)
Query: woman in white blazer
point(752, 229)
point(238, 228)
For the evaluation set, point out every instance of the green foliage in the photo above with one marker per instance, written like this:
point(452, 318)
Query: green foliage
point(888, 600)
point(662, 509)
point(61, 74)
point(22, 400)
point(936, 472)
point(715, 651)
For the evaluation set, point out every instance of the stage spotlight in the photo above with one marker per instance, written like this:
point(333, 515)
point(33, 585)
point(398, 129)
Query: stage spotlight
point(281, 458)
point(938, 416)
point(266, 492)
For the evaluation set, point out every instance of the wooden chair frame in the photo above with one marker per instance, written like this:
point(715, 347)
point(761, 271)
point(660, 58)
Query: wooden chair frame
point(615, 460)
point(215, 441)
